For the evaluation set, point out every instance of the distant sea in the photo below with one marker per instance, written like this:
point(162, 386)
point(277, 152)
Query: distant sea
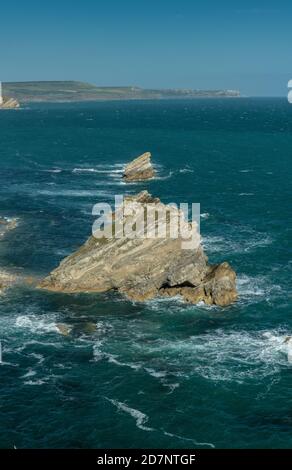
point(163, 373)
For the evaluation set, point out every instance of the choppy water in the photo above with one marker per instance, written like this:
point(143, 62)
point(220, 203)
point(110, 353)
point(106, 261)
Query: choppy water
point(160, 374)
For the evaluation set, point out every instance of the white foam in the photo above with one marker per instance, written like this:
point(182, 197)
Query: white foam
point(235, 356)
point(112, 358)
point(171, 303)
point(154, 373)
point(162, 178)
point(139, 417)
point(110, 171)
point(282, 343)
point(99, 355)
point(30, 373)
point(142, 418)
point(36, 382)
point(186, 170)
point(40, 358)
point(70, 193)
point(172, 387)
point(204, 444)
point(86, 170)
point(254, 288)
point(36, 324)
point(249, 240)
point(111, 165)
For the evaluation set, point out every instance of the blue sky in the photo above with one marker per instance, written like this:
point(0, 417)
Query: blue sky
point(243, 45)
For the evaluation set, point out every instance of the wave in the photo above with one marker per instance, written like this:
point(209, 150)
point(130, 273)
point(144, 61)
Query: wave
point(111, 165)
point(163, 178)
point(218, 355)
point(115, 171)
point(35, 324)
point(176, 304)
point(163, 376)
point(85, 170)
point(30, 373)
point(154, 373)
point(186, 170)
point(99, 355)
point(248, 242)
point(35, 382)
point(74, 193)
point(109, 171)
point(253, 288)
point(228, 356)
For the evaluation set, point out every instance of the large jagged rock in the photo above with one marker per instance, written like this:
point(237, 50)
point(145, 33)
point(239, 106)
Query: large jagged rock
point(139, 169)
point(143, 268)
point(9, 103)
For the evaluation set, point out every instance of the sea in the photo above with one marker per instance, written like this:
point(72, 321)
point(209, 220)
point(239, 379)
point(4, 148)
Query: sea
point(159, 374)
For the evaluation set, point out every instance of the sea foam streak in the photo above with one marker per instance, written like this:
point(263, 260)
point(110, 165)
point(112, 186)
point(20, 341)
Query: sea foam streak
point(142, 418)
point(204, 444)
point(139, 417)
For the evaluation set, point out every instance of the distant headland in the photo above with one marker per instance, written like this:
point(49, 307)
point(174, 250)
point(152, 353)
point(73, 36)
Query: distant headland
point(71, 91)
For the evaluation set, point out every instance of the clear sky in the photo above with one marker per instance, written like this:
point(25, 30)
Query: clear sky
point(244, 45)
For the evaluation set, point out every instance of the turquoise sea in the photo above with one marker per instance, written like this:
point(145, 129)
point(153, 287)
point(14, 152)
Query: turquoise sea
point(160, 374)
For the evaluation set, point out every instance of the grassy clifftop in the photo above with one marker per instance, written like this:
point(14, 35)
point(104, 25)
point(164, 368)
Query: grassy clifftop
point(78, 91)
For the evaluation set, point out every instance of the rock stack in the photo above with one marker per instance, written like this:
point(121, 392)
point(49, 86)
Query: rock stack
point(139, 169)
point(144, 268)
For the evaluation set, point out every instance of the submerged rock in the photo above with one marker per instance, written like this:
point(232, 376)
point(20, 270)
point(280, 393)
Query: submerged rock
point(139, 169)
point(88, 328)
point(63, 329)
point(143, 268)
point(7, 224)
point(6, 280)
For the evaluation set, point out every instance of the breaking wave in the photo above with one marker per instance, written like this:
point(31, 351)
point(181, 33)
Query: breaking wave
point(231, 243)
point(35, 324)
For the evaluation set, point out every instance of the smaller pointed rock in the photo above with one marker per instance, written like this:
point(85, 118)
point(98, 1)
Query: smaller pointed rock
point(139, 169)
